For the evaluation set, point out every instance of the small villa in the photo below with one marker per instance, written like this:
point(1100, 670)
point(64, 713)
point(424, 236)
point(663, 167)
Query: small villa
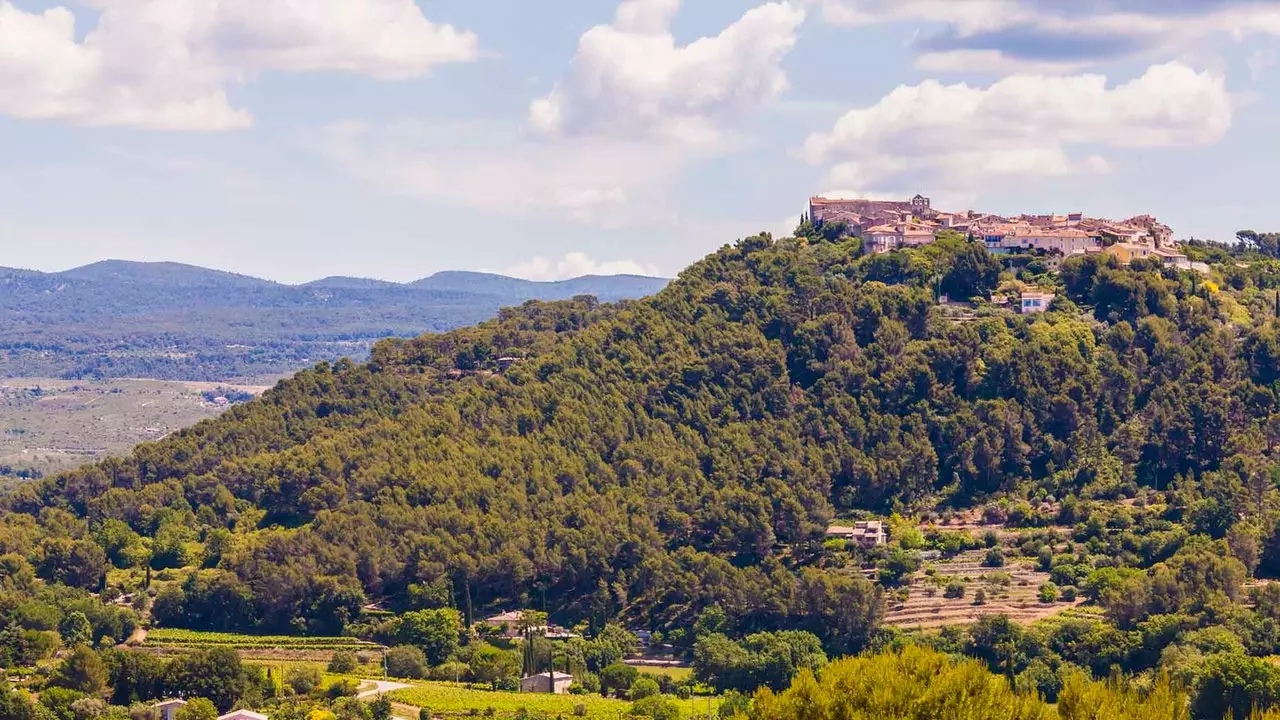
point(243, 715)
point(1036, 302)
point(544, 683)
point(168, 708)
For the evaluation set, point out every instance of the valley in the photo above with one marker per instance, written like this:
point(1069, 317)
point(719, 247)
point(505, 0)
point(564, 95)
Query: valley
point(50, 425)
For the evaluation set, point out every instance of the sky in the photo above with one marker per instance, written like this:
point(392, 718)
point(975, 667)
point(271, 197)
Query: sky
point(394, 139)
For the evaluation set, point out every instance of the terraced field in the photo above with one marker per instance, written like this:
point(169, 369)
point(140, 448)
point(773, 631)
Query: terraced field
point(1010, 590)
point(176, 638)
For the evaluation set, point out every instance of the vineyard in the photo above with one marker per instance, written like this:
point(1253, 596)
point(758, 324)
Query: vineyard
point(448, 699)
point(177, 638)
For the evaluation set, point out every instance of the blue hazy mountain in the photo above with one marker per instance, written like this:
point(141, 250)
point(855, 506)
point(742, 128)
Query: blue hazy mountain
point(168, 320)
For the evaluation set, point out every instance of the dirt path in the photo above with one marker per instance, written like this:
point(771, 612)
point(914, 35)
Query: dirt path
point(399, 712)
point(381, 687)
point(138, 637)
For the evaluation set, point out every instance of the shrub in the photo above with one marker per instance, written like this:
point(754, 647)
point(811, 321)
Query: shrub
point(406, 661)
point(302, 679)
point(579, 710)
point(734, 703)
point(980, 597)
point(343, 663)
point(658, 707)
point(197, 709)
point(343, 688)
point(642, 688)
point(955, 589)
point(617, 678)
point(589, 681)
point(424, 714)
point(995, 558)
point(1048, 593)
point(1068, 594)
point(990, 538)
point(451, 671)
point(1044, 558)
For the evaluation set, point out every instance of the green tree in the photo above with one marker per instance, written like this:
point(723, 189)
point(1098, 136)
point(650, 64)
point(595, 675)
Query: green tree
point(406, 661)
point(380, 708)
point(214, 673)
point(76, 629)
point(82, 671)
point(1234, 685)
point(617, 679)
point(642, 688)
point(436, 632)
point(343, 663)
point(197, 709)
point(302, 679)
point(658, 707)
point(494, 666)
point(1048, 593)
point(16, 704)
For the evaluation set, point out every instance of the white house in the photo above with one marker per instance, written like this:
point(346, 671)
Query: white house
point(168, 708)
point(1036, 302)
point(243, 715)
point(542, 683)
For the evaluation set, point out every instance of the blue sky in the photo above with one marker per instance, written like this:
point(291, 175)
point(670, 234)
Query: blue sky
point(393, 139)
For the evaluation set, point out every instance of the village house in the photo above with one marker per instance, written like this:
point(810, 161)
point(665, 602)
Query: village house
point(1036, 302)
point(243, 715)
point(168, 708)
point(1065, 241)
point(546, 683)
point(1128, 252)
point(867, 533)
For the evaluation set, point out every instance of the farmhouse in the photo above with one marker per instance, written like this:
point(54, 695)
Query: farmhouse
point(168, 708)
point(867, 533)
point(546, 683)
point(511, 624)
point(243, 715)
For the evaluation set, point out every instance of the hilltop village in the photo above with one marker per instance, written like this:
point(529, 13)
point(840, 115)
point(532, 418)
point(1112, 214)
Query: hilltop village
point(885, 225)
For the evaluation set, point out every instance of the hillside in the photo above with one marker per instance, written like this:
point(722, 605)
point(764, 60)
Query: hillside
point(165, 320)
point(652, 459)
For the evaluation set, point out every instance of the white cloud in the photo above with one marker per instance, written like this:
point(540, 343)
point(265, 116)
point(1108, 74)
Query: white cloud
point(958, 138)
point(611, 143)
point(575, 264)
point(630, 79)
point(997, 36)
point(167, 64)
point(601, 182)
point(1260, 61)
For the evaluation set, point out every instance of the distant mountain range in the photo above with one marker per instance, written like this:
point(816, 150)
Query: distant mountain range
point(172, 321)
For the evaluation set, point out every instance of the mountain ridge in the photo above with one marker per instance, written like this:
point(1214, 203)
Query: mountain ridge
point(112, 269)
point(173, 321)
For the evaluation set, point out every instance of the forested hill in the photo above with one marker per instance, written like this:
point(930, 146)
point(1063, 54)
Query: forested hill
point(651, 458)
point(172, 321)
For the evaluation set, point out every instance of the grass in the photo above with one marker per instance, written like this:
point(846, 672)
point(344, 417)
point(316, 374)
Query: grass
point(676, 673)
point(450, 699)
